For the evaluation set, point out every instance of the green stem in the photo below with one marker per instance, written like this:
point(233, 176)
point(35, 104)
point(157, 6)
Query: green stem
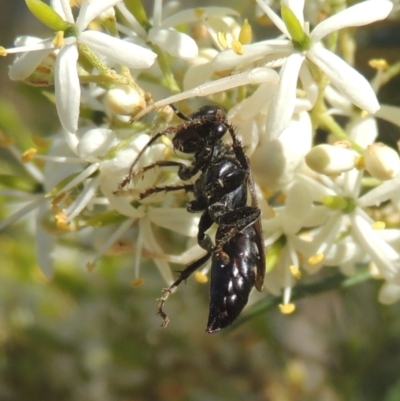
point(337, 281)
point(391, 72)
point(329, 122)
point(107, 74)
point(169, 78)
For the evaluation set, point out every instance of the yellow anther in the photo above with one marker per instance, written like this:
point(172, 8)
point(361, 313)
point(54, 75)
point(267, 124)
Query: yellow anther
point(295, 272)
point(4, 141)
point(378, 225)
point(29, 155)
point(137, 282)
point(237, 47)
point(360, 163)
point(40, 141)
point(222, 39)
point(246, 33)
point(90, 266)
point(61, 221)
point(287, 309)
point(199, 12)
point(379, 63)
point(200, 277)
point(3, 51)
point(315, 259)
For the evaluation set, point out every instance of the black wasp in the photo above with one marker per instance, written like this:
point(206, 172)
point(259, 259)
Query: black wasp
point(220, 194)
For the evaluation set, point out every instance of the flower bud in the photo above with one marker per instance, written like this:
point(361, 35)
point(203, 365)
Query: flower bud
point(329, 160)
point(125, 100)
point(381, 161)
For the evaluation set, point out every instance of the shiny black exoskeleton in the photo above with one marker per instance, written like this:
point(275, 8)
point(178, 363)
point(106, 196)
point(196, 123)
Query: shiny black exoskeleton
point(220, 193)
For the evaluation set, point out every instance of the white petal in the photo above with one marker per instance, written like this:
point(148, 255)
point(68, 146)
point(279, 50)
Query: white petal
point(360, 14)
point(67, 88)
point(63, 8)
point(27, 63)
point(150, 243)
point(121, 52)
point(274, 17)
point(174, 219)
point(177, 44)
point(282, 104)
point(248, 77)
point(389, 113)
point(380, 193)
point(341, 104)
point(343, 252)
point(275, 162)
point(95, 143)
point(345, 78)
point(363, 131)
point(229, 60)
point(297, 6)
point(256, 103)
point(191, 15)
point(132, 21)
point(94, 9)
point(298, 205)
point(309, 85)
point(383, 255)
point(121, 204)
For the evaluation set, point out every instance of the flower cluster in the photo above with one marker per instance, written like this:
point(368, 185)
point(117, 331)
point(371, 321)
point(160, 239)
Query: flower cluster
point(327, 200)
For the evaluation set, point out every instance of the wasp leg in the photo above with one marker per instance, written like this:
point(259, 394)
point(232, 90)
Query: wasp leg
point(161, 163)
point(183, 275)
point(167, 188)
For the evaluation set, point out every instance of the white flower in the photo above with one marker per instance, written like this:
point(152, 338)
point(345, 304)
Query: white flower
point(351, 83)
point(66, 80)
point(298, 212)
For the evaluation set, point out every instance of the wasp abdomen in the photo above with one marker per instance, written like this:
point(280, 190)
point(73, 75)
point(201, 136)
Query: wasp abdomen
point(232, 282)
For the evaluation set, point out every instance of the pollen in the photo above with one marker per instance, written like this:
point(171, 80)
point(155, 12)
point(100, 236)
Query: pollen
point(315, 259)
point(237, 47)
point(137, 282)
point(200, 277)
point(29, 155)
point(287, 309)
point(296, 273)
point(3, 51)
point(58, 40)
point(378, 225)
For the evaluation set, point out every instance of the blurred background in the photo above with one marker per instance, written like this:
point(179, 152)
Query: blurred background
point(86, 336)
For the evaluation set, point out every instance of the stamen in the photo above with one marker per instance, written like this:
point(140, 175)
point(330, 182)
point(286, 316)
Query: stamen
point(315, 259)
point(378, 225)
point(28, 155)
point(287, 309)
